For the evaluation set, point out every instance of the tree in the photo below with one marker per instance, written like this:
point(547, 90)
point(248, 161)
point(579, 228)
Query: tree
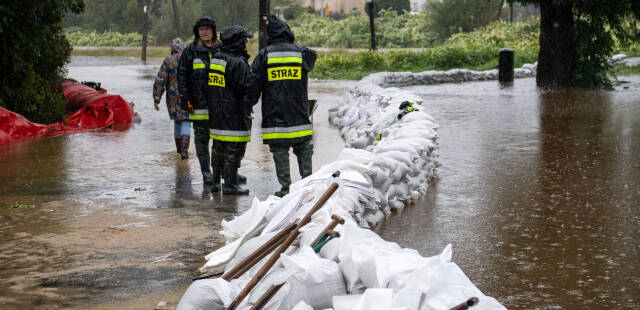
point(33, 53)
point(577, 38)
point(225, 13)
point(396, 5)
point(452, 16)
point(295, 10)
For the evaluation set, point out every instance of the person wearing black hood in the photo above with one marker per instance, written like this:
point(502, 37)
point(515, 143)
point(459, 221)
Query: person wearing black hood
point(280, 71)
point(229, 111)
point(192, 79)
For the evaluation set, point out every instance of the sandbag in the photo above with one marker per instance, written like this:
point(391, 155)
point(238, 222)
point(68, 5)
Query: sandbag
point(208, 294)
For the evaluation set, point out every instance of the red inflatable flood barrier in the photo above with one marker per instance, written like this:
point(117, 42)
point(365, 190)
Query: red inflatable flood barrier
point(94, 109)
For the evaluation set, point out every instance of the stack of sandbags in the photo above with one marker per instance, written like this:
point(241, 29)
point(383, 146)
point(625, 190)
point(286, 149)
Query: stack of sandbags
point(401, 152)
point(388, 163)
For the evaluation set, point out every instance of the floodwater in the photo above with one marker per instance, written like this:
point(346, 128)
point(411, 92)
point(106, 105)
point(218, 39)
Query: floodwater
point(113, 219)
point(538, 192)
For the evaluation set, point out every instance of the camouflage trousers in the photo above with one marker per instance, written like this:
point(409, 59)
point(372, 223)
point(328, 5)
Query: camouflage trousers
point(280, 151)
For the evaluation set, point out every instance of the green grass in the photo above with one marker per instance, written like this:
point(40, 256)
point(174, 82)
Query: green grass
point(626, 70)
point(18, 205)
point(134, 51)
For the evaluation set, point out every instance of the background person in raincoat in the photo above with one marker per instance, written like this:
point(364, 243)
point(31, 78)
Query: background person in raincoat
point(280, 71)
point(167, 80)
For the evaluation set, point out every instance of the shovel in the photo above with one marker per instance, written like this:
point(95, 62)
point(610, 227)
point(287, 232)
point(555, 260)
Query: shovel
point(264, 299)
point(290, 238)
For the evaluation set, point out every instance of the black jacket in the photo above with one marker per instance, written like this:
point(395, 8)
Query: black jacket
point(280, 72)
point(229, 78)
point(192, 73)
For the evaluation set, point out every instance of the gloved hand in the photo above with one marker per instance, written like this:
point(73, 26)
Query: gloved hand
point(406, 107)
point(185, 104)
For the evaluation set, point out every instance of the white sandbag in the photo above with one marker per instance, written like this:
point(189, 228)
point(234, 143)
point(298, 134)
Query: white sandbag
point(372, 299)
point(208, 294)
point(247, 248)
point(356, 257)
point(254, 222)
point(402, 157)
point(279, 217)
point(396, 204)
point(302, 306)
point(401, 171)
point(217, 260)
point(246, 222)
point(400, 191)
point(308, 277)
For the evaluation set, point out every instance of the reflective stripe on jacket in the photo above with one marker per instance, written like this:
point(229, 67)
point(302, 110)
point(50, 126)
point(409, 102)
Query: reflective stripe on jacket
point(227, 84)
point(192, 78)
point(281, 77)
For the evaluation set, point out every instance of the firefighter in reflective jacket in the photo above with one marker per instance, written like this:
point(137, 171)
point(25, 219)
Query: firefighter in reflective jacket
point(280, 71)
point(192, 79)
point(229, 76)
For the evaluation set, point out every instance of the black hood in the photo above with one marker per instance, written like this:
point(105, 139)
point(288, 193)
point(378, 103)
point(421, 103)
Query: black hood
point(232, 39)
point(278, 31)
point(204, 21)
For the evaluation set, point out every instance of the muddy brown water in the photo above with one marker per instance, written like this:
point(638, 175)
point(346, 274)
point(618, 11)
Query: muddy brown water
point(538, 193)
point(113, 219)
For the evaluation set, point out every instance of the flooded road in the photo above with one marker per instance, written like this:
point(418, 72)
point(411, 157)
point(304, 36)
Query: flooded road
point(539, 193)
point(113, 219)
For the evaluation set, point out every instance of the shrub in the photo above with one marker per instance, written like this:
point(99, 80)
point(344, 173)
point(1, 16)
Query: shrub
point(476, 50)
point(109, 38)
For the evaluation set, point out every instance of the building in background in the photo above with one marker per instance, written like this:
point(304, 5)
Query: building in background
point(417, 6)
point(345, 7)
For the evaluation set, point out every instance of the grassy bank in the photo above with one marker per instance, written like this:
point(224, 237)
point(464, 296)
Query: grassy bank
point(476, 50)
point(134, 51)
point(626, 70)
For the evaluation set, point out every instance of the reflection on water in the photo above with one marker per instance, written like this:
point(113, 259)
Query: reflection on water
point(538, 192)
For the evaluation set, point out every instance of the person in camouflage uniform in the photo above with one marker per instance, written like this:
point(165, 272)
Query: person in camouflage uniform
point(166, 80)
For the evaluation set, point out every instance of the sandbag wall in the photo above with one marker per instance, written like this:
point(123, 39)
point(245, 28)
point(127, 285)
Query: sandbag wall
point(389, 163)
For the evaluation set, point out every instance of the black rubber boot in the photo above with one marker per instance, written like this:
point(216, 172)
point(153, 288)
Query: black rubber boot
point(217, 176)
point(178, 145)
point(207, 177)
point(242, 179)
point(282, 192)
point(184, 147)
point(230, 186)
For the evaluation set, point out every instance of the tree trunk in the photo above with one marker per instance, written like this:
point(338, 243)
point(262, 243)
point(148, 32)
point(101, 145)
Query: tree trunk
point(145, 30)
point(499, 14)
point(558, 49)
point(264, 16)
point(176, 17)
